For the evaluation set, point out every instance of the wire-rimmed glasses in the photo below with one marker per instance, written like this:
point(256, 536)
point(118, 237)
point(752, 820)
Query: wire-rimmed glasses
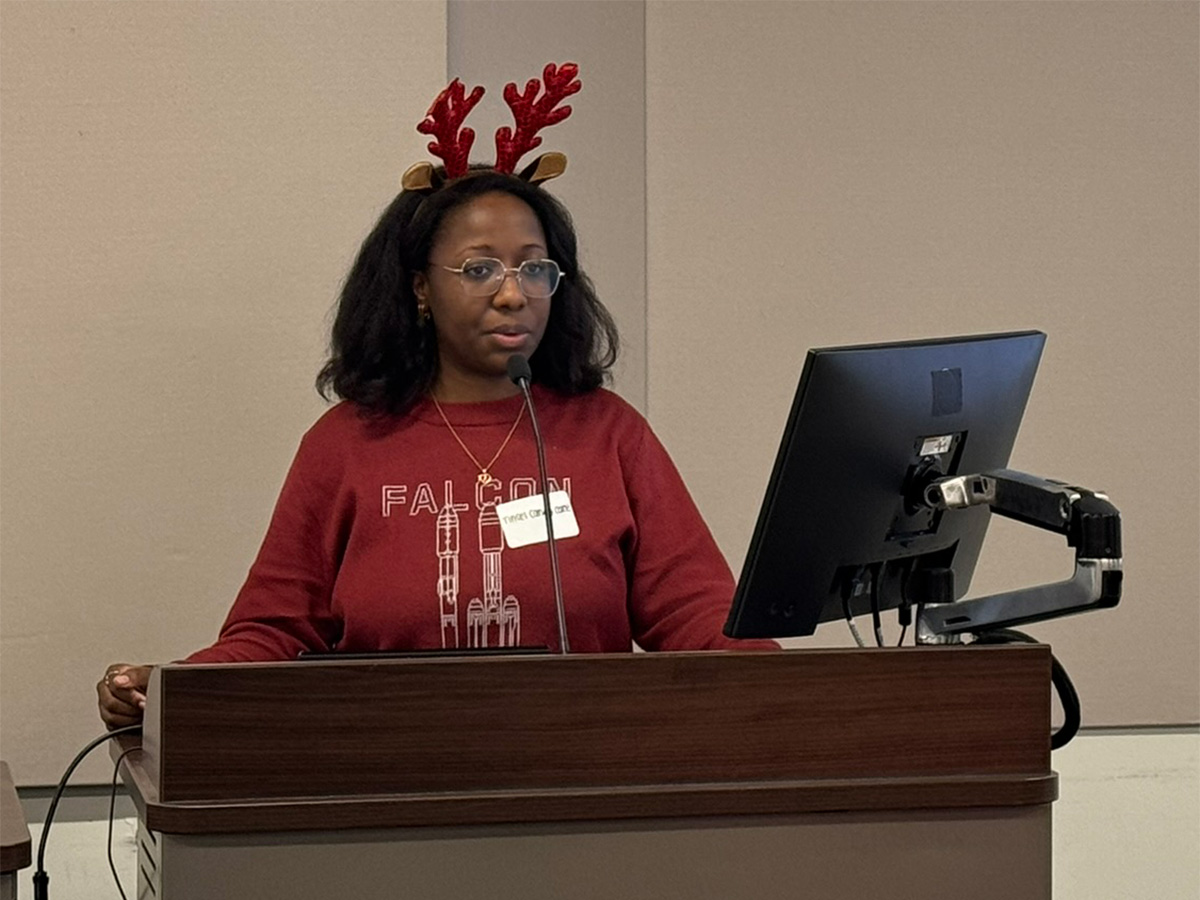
point(483, 277)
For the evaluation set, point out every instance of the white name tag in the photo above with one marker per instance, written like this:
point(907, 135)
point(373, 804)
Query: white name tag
point(524, 522)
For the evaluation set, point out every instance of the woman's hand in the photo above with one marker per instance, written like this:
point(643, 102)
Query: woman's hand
point(122, 693)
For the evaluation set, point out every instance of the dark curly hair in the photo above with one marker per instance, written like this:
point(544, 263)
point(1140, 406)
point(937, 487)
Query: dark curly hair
point(381, 358)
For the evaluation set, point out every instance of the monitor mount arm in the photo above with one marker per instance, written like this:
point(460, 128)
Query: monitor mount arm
point(1090, 523)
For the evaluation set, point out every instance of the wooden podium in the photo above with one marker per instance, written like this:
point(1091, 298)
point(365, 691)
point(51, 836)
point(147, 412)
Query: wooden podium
point(906, 773)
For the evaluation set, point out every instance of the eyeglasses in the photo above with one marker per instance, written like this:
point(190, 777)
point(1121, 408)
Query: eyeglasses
point(483, 277)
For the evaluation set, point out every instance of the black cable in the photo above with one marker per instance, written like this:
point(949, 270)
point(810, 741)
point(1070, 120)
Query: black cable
point(41, 881)
point(904, 611)
point(1067, 695)
point(846, 592)
point(112, 805)
point(876, 620)
point(1072, 711)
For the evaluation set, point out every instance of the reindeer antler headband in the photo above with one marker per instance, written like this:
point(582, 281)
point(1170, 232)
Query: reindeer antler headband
point(531, 113)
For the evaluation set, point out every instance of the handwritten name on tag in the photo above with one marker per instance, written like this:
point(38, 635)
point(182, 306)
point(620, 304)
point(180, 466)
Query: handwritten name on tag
point(524, 522)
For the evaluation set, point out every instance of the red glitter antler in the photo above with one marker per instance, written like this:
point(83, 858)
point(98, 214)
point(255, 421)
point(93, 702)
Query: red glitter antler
point(532, 115)
point(443, 120)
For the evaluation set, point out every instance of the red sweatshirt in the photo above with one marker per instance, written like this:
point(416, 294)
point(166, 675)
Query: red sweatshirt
point(383, 539)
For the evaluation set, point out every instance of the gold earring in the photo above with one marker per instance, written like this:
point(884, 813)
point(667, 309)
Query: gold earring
point(423, 315)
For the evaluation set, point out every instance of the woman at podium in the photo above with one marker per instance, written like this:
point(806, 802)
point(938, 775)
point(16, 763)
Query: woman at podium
point(411, 517)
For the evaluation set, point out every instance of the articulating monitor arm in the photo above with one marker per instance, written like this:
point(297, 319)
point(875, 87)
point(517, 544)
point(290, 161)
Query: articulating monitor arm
point(1091, 524)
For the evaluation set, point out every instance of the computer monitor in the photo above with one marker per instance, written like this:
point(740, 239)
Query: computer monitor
point(842, 527)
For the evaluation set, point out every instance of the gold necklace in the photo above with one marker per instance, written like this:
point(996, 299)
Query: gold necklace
point(484, 476)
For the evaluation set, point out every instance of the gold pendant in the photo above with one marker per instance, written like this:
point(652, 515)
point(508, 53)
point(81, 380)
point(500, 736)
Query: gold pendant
point(484, 477)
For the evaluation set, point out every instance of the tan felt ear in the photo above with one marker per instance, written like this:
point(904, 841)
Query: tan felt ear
point(545, 167)
point(418, 177)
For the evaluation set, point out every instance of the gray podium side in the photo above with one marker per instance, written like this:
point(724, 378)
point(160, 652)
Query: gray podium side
point(917, 772)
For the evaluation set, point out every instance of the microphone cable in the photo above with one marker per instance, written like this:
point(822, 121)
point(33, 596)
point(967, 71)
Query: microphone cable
point(41, 880)
point(112, 805)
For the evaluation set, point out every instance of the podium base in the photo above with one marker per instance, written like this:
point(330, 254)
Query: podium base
point(987, 854)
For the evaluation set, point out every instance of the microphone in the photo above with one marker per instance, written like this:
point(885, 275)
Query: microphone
point(521, 375)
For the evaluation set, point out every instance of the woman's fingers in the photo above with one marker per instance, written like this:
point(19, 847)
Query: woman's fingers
point(115, 713)
point(129, 682)
point(124, 686)
point(122, 694)
point(117, 704)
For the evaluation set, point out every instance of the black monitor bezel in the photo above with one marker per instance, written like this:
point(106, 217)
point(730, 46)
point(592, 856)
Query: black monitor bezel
point(748, 617)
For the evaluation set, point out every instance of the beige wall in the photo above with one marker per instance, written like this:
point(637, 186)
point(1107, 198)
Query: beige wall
point(605, 143)
point(183, 186)
point(834, 173)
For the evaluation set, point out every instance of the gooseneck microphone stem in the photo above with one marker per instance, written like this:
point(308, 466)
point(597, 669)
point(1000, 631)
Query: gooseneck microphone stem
point(521, 375)
point(548, 513)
